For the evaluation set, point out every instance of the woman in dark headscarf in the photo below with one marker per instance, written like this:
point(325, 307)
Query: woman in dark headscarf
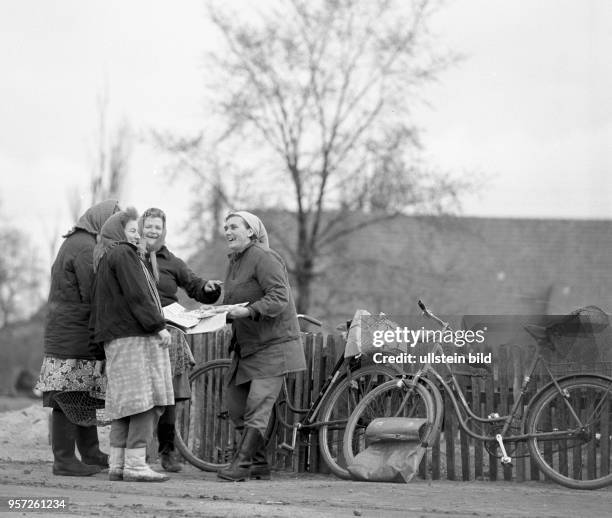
point(127, 318)
point(171, 273)
point(70, 357)
point(266, 339)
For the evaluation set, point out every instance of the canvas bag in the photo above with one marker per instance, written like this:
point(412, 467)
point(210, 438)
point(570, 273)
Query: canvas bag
point(394, 450)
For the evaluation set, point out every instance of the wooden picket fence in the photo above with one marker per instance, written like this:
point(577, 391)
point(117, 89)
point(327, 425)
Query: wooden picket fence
point(455, 455)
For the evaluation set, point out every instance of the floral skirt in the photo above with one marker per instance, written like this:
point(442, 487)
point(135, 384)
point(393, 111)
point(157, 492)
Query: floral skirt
point(181, 358)
point(70, 374)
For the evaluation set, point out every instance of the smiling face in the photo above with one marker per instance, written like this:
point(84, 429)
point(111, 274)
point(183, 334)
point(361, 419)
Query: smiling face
point(237, 234)
point(152, 229)
point(131, 231)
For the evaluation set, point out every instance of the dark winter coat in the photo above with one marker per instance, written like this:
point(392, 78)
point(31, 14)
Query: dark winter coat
point(67, 320)
point(258, 276)
point(174, 274)
point(123, 305)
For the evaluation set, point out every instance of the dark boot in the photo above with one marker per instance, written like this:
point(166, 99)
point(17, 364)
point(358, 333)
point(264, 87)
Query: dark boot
point(63, 439)
point(89, 446)
point(168, 456)
point(260, 469)
point(240, 468)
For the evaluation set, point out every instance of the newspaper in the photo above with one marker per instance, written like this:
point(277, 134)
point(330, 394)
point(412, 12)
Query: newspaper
point(202, 320)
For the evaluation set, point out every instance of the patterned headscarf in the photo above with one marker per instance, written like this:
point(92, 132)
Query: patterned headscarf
point(94, 217)
point(255, 224)
point(148, 249)
point(113, 231)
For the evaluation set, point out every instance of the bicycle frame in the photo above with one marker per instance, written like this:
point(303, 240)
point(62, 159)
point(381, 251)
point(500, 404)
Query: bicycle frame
point(464, 412)
point(309, 422)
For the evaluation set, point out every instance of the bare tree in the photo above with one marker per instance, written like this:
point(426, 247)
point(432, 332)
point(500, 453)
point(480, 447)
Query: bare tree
point(110, 165)
point(220, 183)
point(321, 92)
point(112, 156)
point(20, 276)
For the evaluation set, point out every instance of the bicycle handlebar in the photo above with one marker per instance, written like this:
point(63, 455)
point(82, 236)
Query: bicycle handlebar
point(429, 314)
point(310, 319)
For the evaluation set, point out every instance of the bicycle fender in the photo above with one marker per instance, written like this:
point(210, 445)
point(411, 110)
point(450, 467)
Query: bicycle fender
point(550, 384)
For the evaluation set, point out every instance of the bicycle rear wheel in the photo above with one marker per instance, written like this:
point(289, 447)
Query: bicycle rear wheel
point(205, 434)
point(391, 399)
point(582, 412)
point(337, 408)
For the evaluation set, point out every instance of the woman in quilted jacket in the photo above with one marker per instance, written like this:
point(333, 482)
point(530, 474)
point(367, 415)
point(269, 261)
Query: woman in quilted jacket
point(70, 357)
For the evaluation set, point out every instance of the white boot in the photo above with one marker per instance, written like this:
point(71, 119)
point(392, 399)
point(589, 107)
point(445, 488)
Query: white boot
point(115, 463)
point(136, 468)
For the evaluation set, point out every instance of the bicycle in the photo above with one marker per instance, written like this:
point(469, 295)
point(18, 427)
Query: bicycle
point(210, 445)
point(567, 424)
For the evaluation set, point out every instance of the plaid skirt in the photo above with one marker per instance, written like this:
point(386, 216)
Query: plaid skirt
point(139, 376)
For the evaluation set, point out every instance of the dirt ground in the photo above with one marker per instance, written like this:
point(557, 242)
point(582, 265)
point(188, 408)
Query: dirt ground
point(25, 472)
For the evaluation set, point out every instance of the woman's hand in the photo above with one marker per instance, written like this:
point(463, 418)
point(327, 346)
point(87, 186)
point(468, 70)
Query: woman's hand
point(165, 338)
point(211, 286)
point(99, 368)
point(238, 312)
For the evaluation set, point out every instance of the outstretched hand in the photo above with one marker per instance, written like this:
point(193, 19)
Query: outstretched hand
point(211, 286)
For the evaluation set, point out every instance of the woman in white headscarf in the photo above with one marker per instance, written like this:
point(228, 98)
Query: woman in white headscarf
point(266, 339)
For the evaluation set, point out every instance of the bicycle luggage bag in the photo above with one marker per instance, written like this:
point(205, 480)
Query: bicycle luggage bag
point(396, 429)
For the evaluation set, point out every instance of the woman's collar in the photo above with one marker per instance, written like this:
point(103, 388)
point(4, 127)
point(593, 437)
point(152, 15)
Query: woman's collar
point(237, 255)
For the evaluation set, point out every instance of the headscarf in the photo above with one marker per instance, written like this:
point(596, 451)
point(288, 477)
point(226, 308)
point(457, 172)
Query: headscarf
point(113, 232)
point(148, 249)
point(255, 224)
point(94, 217)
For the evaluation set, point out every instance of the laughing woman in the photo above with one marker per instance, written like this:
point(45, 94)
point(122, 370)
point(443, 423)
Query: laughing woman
point(266, 339)
point(170, 274)
point(127, 319)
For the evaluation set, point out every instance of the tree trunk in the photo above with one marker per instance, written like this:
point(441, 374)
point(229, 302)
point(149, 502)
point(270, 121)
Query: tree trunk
point(303, 277)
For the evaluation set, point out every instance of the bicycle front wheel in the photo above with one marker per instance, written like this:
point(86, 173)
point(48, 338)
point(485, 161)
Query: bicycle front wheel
point(395, 398)
point(338, 407)
point(205, 435)
point(577, 452)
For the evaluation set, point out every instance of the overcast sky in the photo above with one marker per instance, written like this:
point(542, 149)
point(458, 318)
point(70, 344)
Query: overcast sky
point(530, 107)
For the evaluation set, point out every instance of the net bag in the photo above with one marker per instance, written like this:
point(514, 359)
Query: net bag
point(581, 336)
point(82, 409)
point(581, 323)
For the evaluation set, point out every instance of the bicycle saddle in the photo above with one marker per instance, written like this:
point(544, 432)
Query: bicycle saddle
point(540, 333)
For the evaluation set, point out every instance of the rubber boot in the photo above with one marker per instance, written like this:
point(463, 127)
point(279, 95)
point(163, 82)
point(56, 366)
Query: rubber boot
point(63, 439)
point(116, 463)
point(89, 446)
point(260, 469)
point(240, 468)
point(168, 456)
point(136, 469)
